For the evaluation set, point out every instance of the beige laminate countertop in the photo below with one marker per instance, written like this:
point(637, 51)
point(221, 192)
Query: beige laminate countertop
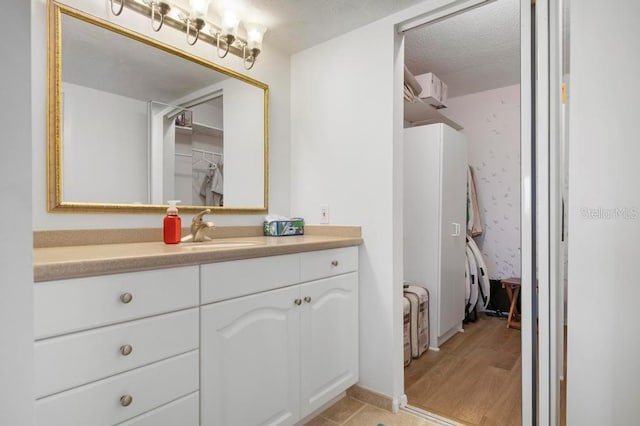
point(56, 263)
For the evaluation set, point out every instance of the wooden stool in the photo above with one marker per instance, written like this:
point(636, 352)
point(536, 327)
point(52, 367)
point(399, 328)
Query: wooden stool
point(512, 285)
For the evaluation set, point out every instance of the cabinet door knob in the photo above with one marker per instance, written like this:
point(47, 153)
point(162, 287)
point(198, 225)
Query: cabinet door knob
point(126, 297)
point(307, 299)
point(334, 263)
point(126, 349)
point(126, 400)
point(298, 302)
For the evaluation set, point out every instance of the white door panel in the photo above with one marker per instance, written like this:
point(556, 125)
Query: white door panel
point(250, 352)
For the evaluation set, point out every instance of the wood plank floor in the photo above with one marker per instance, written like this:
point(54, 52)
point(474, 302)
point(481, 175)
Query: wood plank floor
point(474, 379)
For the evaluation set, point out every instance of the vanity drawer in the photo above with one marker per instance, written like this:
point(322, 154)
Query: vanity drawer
point(182, 412)
point(101, 403)
point(327, 263)
point(72, 360)
point(76, 304)
point(226, 280)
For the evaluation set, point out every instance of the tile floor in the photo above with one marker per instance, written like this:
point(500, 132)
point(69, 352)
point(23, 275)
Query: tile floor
point(351, 412)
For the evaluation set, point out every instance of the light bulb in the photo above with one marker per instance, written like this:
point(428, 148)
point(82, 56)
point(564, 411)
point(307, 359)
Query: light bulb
point(230, 23)
point(255, 34)
point(199, 8)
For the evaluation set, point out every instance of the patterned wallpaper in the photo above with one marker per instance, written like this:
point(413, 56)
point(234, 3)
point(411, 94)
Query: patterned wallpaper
point(491, 122)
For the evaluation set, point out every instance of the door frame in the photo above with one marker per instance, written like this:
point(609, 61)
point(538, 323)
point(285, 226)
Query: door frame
point(536, 162)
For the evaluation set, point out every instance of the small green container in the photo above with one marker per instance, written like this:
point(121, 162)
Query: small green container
point(281, 228)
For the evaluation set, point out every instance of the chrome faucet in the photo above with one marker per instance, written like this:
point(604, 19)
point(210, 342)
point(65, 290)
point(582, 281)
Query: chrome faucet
point(199, 228)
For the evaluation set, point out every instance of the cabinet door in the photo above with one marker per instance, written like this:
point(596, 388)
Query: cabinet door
point(422, 229)
point(453, 240)
point(329, 334)
point(250, 360)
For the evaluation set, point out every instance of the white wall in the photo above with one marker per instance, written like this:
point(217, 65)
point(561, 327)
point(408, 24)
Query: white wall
point(342, 155)
point(16, 284)
point(243, 156)
point(491, 121)
point(95, 171)
point(272, 68)
point(209, 115)
point(603, 329)
point(345, 116)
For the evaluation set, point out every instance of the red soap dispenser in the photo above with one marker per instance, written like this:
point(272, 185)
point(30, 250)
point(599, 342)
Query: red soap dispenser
point(172, 224)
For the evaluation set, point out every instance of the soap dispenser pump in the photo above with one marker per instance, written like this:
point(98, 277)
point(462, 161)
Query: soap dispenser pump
point(172, 224)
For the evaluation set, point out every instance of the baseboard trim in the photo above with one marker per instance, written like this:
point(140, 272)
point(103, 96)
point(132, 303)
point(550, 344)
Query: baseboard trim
point(400, 403)
point(448, 335)
point(373, 398)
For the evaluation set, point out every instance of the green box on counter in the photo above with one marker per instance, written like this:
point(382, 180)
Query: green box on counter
point(281, 228)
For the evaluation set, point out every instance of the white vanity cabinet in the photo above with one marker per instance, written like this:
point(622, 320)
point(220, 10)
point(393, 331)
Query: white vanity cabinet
point(276, 356)
point(258, 341)
point(114, 347)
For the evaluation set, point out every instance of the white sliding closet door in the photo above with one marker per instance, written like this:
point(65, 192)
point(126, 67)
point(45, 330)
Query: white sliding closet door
point(541, 206)
point(528, 296)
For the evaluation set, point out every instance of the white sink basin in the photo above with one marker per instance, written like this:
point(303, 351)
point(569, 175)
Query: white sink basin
point(217, 244)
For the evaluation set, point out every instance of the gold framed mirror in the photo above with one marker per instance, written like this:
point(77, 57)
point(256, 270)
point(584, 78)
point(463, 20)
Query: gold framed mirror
point(133, 122)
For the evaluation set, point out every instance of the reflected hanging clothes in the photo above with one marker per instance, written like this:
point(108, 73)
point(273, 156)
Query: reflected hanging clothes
point(205, 195)
point(217, 185)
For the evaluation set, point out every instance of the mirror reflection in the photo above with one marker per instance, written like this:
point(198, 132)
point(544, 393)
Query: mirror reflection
point(142, 123)
point(199, 151)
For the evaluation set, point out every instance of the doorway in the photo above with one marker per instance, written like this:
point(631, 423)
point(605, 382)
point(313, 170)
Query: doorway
point(468, 67)
point(541, 32)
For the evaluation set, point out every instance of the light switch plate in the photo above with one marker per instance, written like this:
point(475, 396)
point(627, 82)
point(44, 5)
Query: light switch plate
point(324, 213)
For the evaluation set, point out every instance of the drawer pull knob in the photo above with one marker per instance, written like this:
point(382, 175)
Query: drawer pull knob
point(298, 302)
point(126, 349)
point(334, 263)
point(307, 299)
point(126, 400)
point(126, 297)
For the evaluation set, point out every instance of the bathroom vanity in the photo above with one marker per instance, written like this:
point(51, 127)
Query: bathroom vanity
point(236, 331)
point(242, 331)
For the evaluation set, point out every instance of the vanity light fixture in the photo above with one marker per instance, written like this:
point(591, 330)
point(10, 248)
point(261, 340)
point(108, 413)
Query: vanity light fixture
point(228, 32)
point(115, 9)
point(224, 36)
point(195, 19)
point(158, 7)
point(255, 34)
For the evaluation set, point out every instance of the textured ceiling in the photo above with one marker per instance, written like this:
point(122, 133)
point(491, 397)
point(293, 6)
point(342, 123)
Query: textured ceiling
point(475, 51)
point(294, 25)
